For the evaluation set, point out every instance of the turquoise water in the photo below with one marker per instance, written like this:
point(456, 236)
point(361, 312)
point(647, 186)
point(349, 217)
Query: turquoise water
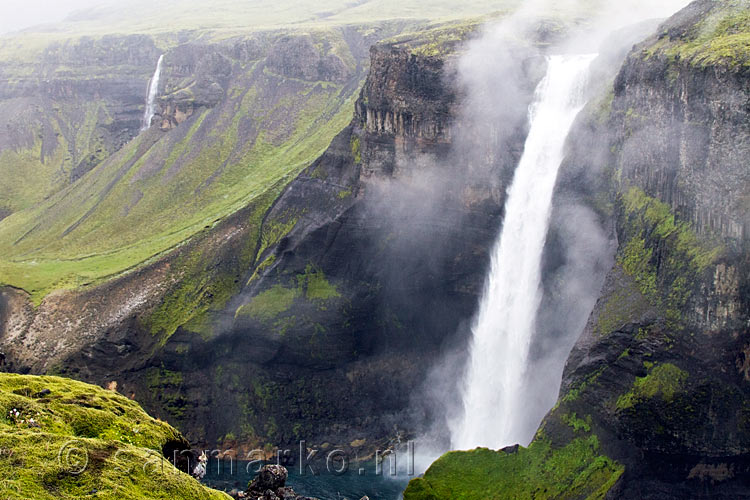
point(352, 485)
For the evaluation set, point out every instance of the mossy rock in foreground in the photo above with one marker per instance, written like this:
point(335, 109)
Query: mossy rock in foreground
point(62, 439)
point(575, 471)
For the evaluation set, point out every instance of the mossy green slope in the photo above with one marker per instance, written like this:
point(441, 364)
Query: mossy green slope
point(42, 143)
point(541, 471)
point(65, 439)
point(722, 38)
point(161, 189)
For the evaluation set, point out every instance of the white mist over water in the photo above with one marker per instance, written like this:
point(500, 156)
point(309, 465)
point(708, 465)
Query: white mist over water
point(153, 90)
point(493, 390)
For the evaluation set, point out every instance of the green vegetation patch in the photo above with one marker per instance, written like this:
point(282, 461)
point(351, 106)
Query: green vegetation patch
point(151, 197)
point(683, 257)
point(575, 392)
point(578, 424)
point(273, 307)
point(65, 439)
point(442, 39)
point(665, 380)
point(315, 286)
point(624, 305)
point(356, 150)
point(270, 304)
point(722, 38)
point(77, 409)
point(540, 471)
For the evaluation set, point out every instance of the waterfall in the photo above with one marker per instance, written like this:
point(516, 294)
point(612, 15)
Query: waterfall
point(493, 390)
point(153, 90)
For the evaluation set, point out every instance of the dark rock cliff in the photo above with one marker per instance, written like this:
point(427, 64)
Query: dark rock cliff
point(661, 366)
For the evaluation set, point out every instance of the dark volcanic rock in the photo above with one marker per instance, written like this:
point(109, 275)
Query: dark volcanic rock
point(271, 477)
point(270, 485)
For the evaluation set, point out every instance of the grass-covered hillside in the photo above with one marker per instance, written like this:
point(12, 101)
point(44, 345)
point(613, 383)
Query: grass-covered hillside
point(542, 471)
point(142, 16)
point(163, 187)
point(259, 90)
point(61, 439)
point(722, 37)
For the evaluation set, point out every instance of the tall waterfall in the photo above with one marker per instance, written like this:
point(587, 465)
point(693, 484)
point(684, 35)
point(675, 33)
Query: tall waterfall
point(493, 390)
point(153, 90)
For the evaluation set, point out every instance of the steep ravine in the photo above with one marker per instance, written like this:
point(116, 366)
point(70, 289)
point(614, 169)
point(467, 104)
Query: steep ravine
point(654, 398)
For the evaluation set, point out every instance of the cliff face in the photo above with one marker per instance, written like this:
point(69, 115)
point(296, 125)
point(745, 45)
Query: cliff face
point(661, 364)
point(654, 397)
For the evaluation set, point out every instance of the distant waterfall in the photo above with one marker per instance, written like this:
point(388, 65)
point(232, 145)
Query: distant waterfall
point(493, 390)
point(153, 90)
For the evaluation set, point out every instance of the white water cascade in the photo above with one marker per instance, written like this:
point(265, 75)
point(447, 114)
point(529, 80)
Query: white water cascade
point(153, 90)
point(493, 390)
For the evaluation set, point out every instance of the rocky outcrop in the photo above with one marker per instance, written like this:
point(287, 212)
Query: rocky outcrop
point(196, 77)
point(407, 95)
point(296, 56)
point(270, 484)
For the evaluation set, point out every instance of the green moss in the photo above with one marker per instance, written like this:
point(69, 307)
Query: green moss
point(356, 150)
point(625, 305)
point(268, 305)
point(315, 286)
point(540, 471)
point(635, 260)
point(575, 392)
point(84, 438)
point(721, 38)
point(268, 262)
point(274, 230)
point(74, 408)
point(603, 108)
point(158, 378)
point(665, 380)
point(440, 40)
point(667, 282)
point(576, 423)
point(272, 307)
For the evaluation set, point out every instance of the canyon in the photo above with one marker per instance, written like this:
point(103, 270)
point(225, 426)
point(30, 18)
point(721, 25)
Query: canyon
point(301, 237)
